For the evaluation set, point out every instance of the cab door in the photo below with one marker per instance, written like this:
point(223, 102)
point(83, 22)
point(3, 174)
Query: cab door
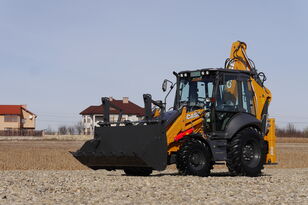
point(234, 95)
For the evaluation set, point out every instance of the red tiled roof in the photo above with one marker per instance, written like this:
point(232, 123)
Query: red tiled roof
point(128, 108)
point(12, 109)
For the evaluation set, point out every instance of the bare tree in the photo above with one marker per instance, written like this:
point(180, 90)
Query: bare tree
point(306, 131)
point(62, 130)
point(291, 130)
point(49, 131)
point(71, 130)
point(79, 128)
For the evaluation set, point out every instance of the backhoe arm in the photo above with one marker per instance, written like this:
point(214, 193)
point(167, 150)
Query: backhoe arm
point(238, 58)
point(239, 61)
point(262, 96)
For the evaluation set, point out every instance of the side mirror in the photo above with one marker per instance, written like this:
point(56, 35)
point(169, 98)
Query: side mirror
point(164, 85)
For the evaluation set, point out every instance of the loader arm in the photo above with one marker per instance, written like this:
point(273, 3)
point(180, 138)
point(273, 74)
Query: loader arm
point(185, 124)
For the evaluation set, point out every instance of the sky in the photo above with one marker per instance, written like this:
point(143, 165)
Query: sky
point(59, 57)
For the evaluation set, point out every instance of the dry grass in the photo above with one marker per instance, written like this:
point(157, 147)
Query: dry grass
point(292, 140)
point(47, 137)
point(54, 155)
point(292, 155)
point(67, 137)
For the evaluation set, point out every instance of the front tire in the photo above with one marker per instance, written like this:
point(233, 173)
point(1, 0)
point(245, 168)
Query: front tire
point(194, 158)
point(246, 153)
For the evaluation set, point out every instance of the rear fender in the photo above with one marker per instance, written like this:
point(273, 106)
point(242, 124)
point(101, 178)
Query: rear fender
point(240, 121)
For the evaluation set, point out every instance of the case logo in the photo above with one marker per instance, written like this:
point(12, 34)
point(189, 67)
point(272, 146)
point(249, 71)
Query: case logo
point(192, 115)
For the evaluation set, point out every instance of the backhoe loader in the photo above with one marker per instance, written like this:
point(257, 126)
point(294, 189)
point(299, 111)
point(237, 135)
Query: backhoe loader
point(220, 115)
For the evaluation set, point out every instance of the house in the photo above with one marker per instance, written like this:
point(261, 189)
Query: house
point(93, 114)
point(16, 117)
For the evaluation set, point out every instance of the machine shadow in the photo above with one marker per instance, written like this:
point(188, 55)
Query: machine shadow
point(214, 174)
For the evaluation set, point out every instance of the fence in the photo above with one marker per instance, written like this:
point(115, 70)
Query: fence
point(36, 133)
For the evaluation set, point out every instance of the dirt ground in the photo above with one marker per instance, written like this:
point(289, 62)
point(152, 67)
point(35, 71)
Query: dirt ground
point(39, 155)
point(54, 155)
point(44, 172)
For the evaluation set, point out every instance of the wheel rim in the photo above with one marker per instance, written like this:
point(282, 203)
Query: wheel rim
point(197, 160)
point(251, 153)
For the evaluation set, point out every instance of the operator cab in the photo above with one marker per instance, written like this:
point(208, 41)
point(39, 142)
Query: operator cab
point(195, 89)
point(223, 92)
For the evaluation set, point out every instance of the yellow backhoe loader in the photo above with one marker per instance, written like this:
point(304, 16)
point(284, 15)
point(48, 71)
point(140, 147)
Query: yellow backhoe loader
point(220, 115)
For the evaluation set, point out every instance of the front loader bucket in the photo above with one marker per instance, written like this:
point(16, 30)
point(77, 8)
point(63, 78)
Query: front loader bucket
point(120, 147)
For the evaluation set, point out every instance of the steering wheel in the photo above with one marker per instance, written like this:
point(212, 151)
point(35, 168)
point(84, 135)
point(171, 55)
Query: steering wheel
point(230, 103)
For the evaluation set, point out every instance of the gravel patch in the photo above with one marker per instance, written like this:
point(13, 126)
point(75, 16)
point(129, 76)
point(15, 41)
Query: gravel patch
point(276, 186)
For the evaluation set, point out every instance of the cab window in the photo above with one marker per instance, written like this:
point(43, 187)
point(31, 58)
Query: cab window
point(228, 95)
point(247, 97)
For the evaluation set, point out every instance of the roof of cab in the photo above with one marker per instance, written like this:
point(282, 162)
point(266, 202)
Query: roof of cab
point(219, 70)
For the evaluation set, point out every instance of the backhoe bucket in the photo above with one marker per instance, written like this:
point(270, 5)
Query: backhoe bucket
point(120, 147)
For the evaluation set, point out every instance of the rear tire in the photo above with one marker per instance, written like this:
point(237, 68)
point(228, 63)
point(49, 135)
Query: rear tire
point(194, 158)
point(138, 171)
point(246, 153)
